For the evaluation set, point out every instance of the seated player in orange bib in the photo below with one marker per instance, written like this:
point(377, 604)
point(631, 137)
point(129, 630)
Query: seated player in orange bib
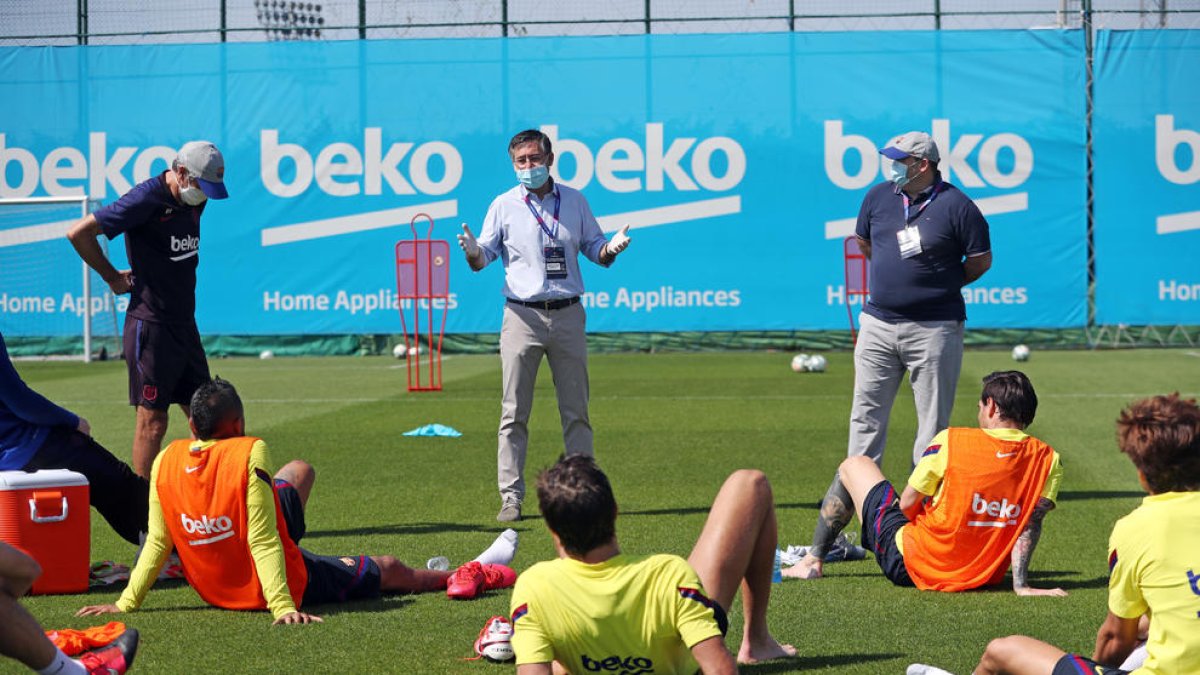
point(235, 529)
point(974, 502)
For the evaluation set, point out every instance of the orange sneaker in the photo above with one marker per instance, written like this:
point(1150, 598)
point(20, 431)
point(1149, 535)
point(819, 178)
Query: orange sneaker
point(466, 582)
point(114, 658)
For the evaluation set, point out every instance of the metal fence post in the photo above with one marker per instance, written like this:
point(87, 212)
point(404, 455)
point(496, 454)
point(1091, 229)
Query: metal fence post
point(937, 14)
point(81, 22)
point(504, 18)
point(224, 23)
point(362, 19)
point(1089, 74)
point(647, 17)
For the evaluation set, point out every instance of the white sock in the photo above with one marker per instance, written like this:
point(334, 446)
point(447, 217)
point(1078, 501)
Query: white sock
point(924, 669)
point(502, 551)
point(63, 665)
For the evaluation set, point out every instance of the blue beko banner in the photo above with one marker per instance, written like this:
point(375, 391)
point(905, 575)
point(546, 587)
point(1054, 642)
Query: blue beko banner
point(1147, 145)
point(738, 160)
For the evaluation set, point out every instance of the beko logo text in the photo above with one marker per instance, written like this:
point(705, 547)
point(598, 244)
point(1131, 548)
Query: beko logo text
point(1167, 140)
point(1005, 160)
point(65, 171)
point(205, 525)
point(342, 170)
point(625, 165)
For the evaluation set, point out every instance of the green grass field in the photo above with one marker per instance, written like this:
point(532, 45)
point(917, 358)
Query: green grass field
point(669, 428)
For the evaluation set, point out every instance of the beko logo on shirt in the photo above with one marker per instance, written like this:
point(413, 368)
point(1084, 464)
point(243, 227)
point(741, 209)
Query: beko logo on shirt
point(221, 526)
point(1002, 509)
point(629, 665)
point(187, 245)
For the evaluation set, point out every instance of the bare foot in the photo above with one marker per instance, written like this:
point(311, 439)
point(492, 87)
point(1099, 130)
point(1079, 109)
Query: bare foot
point(809, 567)
point(765, 651)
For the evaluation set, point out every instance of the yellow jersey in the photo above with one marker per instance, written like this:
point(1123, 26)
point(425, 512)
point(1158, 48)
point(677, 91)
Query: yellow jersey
point(1154, 564)
point(636, 613)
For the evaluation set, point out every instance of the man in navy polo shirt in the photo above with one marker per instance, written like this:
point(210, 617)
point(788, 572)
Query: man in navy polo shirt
point(160, 218)
point(538, 229)
point(925, 240)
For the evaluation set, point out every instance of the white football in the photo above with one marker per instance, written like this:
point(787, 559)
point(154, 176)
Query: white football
point(399, 351)
point(414, 350)
point(800, 363)
point(497, 651)
point(266, 354)
point(816, 363)
point(1020, 353)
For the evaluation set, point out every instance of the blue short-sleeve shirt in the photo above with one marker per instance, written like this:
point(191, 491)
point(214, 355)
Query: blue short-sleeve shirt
point(928, 286)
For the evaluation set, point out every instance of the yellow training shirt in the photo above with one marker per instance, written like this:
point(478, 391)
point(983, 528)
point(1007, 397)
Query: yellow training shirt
point(632, 613)
point(1154, 564)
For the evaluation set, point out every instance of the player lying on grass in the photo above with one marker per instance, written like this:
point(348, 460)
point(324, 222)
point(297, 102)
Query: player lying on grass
point(36, 434)
point(597, 608)
point(23, 639)
point(1153, 559)
point(974, 502)
point(235, 529)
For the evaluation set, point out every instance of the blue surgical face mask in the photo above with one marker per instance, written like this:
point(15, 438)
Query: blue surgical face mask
point(534, 177)
point(898, 173)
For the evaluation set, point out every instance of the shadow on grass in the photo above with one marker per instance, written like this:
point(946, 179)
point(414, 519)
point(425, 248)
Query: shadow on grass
point(814, 662)
point(1099, 494)
point(400, 528)
point(120, 586)
point(388, 603)
point(1053, 578)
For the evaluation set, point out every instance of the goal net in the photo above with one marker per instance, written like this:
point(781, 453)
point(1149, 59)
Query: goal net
point(51, 303)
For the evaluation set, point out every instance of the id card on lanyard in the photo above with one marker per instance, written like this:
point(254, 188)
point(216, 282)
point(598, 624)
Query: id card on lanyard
point(909, 236)
point(553, 253)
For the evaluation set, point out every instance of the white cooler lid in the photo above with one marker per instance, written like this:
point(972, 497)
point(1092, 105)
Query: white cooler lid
point(24, 480)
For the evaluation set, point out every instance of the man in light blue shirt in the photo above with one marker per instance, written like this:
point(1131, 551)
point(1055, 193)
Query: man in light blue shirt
point(538, 229)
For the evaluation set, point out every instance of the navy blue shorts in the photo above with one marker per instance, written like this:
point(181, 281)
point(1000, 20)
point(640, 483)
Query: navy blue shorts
point(330, 578)
point(882, 519)
point(1074, 664)
point(166, 363)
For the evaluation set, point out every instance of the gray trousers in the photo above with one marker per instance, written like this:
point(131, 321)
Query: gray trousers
point(931, 352)
point(527, 334)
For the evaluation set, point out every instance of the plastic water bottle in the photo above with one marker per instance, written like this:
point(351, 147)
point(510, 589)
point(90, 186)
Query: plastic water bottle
point(777, 574)
point(441, 563)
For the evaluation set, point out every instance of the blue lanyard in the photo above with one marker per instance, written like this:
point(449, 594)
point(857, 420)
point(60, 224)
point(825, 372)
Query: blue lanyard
point(937, 188)
point(541, 223)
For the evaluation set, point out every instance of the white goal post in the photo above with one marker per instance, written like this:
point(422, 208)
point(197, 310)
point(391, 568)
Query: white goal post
point(39, 297)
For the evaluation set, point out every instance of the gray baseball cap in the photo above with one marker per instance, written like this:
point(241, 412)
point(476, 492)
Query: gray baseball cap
point(912, 144)
point(204, 163)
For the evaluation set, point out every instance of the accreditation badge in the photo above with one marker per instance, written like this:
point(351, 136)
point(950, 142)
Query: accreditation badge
point(556, 262)
point(910, 242)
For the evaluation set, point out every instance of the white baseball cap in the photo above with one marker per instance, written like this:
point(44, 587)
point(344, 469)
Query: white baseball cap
point(204, 163)
point(912, 144)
